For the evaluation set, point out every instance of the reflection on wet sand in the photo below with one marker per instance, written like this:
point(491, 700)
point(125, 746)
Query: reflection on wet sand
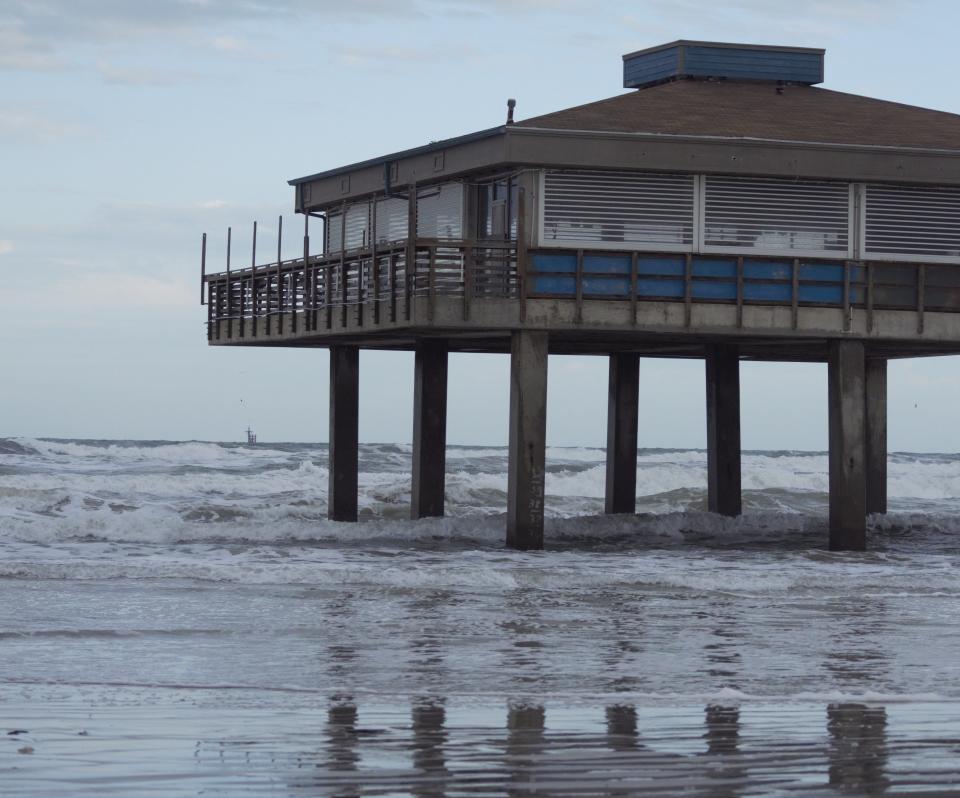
point(730, 752)
point(858, 748)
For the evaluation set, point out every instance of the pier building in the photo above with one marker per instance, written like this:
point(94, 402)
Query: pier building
point(725, 208)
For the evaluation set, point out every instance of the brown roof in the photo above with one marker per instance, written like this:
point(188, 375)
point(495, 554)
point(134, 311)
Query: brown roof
point(755, 110)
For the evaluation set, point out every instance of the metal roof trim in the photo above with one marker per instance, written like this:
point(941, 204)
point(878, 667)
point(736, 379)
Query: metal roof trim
point(431, 147)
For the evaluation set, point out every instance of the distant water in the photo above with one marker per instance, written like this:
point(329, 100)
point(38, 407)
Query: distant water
point(180, 619)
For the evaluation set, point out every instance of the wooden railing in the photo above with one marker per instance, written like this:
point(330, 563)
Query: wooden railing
point(380, 284)
point(795, 282)
point(366, 286)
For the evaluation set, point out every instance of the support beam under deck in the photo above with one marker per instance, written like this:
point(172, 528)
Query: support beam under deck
point(846, 380)
point(724, 495)
point(429, 429)
point(876, 420)
point(528, 434)
point(344, 432)
point(623, 398)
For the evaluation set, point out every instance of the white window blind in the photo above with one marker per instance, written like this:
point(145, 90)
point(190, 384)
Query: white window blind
point(391, 220)
point(440, 211)
point(609, 209)
point(911, 223)
point(357, 229)
point(773, 216)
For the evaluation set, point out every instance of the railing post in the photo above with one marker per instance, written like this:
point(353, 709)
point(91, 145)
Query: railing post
point(279, 277)
point(328, 294)
point(203, 267)
point(921, 296)
point(343, 264)
point(795, 294)
point(521, 255)
point(846, 296)
point(468, 267)
point(307, 287)
point(254, 308)
point(579, 286)
point(432, 283)
point(229, 288)
point(375, 265)
point(410, 266)
point(687, 290)
point(739, 292)
point(634, 268)
point(393, 286)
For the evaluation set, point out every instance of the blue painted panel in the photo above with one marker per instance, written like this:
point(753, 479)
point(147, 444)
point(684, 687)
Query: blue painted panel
point(752, 64)
point(767, 292)
point(555, 262)
point(667, 289)
point(606, 286)
point(767, 270)
point(704, 60)
point(825, 272)
point(554, 285)
point(714, 290)
point(606, 264)
point(650, 68)
point(821, 294)
point(715, 267)
point(671, 266)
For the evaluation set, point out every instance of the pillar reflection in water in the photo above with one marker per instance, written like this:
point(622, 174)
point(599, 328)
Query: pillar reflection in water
point(723, 742)
point(622, 728)
point(525, 743)
point(858, 748)
point(429, 738)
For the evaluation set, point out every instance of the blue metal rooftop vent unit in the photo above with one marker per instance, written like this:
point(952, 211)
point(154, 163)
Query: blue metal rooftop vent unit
point(722, 61)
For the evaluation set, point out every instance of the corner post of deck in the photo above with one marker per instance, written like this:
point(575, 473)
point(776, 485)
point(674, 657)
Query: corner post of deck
point(429, 429)
point(344, 432)
point(724, 495)
point(623, 401)
point(528, 437)
point(876, 421)
point(846, 380)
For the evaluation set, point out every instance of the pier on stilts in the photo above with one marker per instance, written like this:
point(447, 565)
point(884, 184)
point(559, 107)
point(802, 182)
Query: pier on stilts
point(726, 209)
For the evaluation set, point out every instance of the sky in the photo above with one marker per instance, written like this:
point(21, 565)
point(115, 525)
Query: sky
point(128, 129)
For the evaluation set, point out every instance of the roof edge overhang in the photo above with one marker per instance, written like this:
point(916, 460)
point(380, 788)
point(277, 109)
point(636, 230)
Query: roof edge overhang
point(551, 148)
point(529, 147)
point(777, 48)
point(433, 146)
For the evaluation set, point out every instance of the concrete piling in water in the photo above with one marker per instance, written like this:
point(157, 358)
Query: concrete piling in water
point(846, 379)
point(528, 434)
point(876, 421)
point(429, 429)
point(724, 495)
point(344, 432)
point(623, 397)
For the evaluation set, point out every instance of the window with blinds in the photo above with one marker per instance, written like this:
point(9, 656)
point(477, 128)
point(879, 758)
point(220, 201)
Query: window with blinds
point(911, 223)
point(776, 217)
point(599, 209)
point(440, 211)
point(391, 220)
point(357, 227)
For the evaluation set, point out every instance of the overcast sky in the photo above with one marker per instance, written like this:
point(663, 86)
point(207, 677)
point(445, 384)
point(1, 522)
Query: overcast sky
point(129, 128)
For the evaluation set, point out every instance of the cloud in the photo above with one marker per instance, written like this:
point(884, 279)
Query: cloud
point(214, 204)
point(28, 125)
point(140, 76)
point(5, 246)
point(101, 290)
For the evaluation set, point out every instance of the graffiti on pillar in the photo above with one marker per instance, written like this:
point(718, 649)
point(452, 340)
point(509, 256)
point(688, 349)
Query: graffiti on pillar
point(535, 505)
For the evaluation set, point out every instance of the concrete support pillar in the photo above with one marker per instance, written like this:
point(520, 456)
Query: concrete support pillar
point(344, 425)
point(723, 430)
point(429, 429)
point(528, 437)
point(876, 420)
point(623, 398)
point(848, 485)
